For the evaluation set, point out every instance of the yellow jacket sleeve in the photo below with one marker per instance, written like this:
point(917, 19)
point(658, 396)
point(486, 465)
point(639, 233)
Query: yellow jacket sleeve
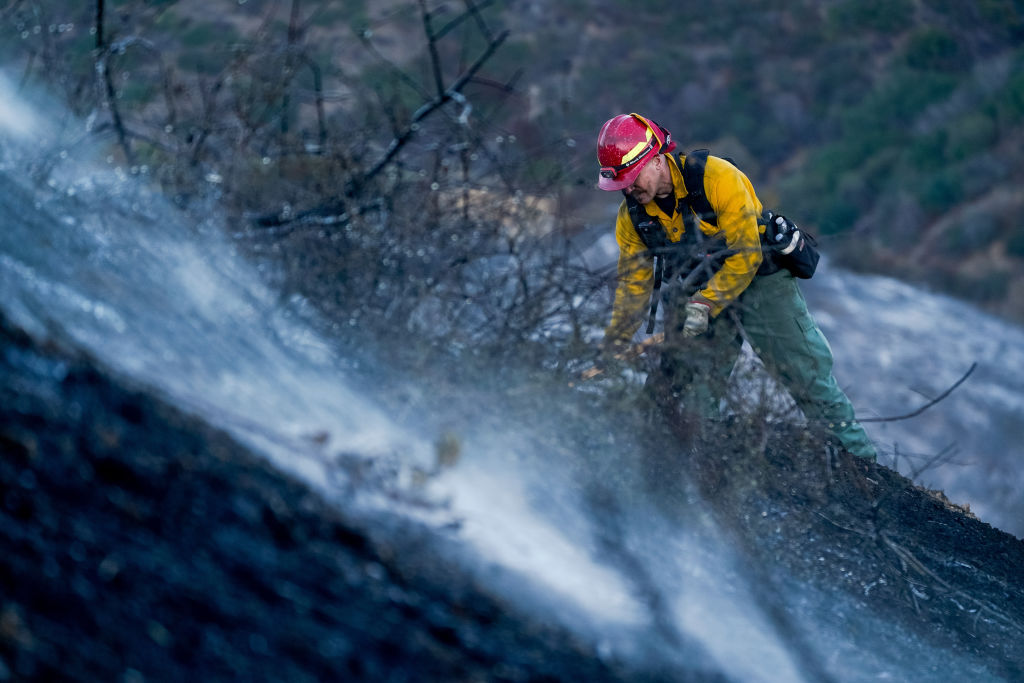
point(737, 207)
point(635, 281)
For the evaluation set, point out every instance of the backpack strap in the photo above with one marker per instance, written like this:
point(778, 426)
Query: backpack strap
point(693, 178)
point(652, 234)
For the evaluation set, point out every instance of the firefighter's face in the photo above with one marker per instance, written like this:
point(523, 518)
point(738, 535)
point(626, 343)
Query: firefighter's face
point(654, 180)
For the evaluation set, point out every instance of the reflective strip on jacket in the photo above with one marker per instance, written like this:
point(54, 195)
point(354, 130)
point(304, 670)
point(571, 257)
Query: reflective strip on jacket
point(737, 208)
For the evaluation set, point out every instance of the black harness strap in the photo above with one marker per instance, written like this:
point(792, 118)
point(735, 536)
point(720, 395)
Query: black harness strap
point(693, 179)
point(652, 234)
point(659, 272)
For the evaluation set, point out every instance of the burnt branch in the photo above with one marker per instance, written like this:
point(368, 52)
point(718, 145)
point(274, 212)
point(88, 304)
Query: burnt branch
point(472, 10)
point(318, 86)
point(445, 95)
point(103, 53)
point(99, 24)
point(435, 57)
point(939, 458)
point(451, 94)
point(908, 561)
point(926, 406)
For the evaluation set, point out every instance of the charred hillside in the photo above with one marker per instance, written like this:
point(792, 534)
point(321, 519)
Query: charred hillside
point(803, 516)
point(139, 542)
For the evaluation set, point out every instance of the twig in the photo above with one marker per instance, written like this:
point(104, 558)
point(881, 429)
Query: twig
point(945, 453)
point(435, 58)
point(473, 10)
point(444, 96)
point(907, 559)
point(428, 108)
point(318, 87)
point(102, 66)
point(844, 528)
point(99, 25)
point(364, 38)
point(926, 406)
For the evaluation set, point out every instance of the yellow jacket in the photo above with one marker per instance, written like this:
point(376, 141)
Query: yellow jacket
point(737, 208)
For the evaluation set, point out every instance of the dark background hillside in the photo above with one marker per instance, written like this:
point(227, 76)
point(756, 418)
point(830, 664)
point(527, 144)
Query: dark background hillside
point(893, 129)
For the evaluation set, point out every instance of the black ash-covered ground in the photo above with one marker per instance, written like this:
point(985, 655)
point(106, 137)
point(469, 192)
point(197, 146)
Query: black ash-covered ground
point(138, 543)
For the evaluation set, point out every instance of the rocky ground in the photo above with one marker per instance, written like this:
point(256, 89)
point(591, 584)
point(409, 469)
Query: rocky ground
point(141, 544)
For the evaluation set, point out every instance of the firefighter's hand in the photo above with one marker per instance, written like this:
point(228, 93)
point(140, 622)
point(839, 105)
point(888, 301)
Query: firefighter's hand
point(696, 319)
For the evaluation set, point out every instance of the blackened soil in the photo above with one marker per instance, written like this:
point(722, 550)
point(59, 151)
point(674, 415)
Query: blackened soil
point(804, 515)
point(140, 544)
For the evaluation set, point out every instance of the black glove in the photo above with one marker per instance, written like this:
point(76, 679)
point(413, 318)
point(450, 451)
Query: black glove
point(782, 233)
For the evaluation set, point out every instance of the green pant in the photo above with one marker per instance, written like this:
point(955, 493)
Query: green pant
point(774, 317)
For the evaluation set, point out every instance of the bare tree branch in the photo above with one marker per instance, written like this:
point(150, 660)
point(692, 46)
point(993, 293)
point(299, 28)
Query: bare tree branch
point(472, 10)
point(103, 53)
point(435, 58)
point(99, 24)
point(926, 406)
point(452, 93)
point(939, 458)
point(423, 112)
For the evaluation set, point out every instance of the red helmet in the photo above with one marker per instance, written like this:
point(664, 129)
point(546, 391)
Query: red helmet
point(624, 145)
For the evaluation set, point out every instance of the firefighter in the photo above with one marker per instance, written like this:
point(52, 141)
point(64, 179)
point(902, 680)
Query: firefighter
point(723, 286)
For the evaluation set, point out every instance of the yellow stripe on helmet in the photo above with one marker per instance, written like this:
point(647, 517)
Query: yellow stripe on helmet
point(639, 147)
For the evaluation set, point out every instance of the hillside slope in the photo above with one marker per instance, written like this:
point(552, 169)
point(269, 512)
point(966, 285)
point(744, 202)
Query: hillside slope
point(142, 543)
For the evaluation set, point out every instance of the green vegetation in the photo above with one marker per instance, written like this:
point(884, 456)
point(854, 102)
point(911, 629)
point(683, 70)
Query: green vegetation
point(882, 16)
point(1015, 242)
point(874, 155)
point(207, 47)
point(934, 49)
point(1008, 103)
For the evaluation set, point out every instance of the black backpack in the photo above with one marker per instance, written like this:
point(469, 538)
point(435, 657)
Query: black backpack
point(696, 257)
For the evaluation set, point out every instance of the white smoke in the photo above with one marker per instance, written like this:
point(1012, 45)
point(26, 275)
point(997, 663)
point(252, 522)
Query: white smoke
point(16, 118)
